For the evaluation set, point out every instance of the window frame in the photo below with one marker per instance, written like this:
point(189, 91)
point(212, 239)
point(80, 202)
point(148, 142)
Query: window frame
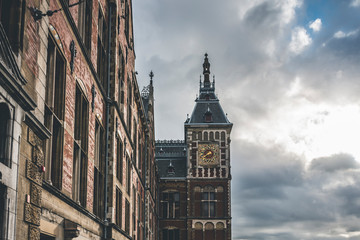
point(3, 217)
point(118, 210)
point(6, 133)
point(127, 216)
point(102, 48)
point(15, 21)
point(80, 158)
point(55, 113)
point(171, 234)
point(170, 205)
point(208, 203)
point(85, 22)
point(99, 171)
point(119, 159)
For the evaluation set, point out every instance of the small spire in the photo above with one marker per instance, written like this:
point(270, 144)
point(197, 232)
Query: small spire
point(151, 75)
point(208, 109)
point(206, 64)
point(171, 169)
point(206, 71)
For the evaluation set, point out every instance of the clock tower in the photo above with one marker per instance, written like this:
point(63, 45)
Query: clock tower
point(207, 139)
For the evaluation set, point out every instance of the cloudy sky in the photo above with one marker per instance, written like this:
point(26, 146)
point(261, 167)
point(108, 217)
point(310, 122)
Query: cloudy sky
point(288, 75)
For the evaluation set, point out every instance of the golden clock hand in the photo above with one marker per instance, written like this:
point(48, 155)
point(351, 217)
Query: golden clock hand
point(208, 153)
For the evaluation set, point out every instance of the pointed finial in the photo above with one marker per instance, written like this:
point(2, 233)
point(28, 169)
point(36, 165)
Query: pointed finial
point(206, 71)
point(208, 108)
point(151, 75)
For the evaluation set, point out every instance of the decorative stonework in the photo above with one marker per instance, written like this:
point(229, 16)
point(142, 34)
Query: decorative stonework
point(32, 214)
point(32, 172)
point(35, 193)
point(38, 155)
point(34, 233)
point(33, 139)
point(220, 224)
point(71, 229)
point(73, 52)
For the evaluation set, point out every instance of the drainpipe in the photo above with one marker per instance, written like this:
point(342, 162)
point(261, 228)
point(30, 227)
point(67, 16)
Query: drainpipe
point(108, 102)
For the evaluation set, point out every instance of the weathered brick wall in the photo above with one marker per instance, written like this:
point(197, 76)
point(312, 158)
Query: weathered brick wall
point(34, 68)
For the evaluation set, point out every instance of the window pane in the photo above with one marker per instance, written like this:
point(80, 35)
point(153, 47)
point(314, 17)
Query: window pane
point(205, 209)
point(176, 197)
point(212, 196)
point(205, 196)
point(176, 234)
point(164, 196)
point(171, 197)
point(171, 210)
point(171, 234)
point(165, 234)
point(212, 209)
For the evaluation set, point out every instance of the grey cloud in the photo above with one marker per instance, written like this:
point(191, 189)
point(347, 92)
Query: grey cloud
point(350, 196)
point(265, 15)
point(334, 163)
point(272, 190)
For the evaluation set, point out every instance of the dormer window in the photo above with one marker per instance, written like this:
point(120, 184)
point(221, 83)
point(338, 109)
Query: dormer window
point(171, 169)
point(208, 117)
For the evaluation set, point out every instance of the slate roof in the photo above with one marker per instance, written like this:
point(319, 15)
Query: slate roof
point(171, 154)
point(204, 106)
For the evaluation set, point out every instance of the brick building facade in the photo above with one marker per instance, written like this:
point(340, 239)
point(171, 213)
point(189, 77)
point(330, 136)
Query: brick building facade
point(195, 176)
point(77, 133)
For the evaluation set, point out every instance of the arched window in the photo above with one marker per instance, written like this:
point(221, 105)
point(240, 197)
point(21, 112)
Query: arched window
point(170, 234)
point(222, 136)
point(193, 135)
point(209, 231)
point(220, 231)
point(198, 230)
point(208, 117)
point(5, 134)
point(205, 136)
point(212, 136)
point(200, 136)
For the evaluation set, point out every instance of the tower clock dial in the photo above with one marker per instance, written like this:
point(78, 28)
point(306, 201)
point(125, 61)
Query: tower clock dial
point(208, 154)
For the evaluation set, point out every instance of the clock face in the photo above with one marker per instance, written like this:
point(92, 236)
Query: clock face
point(208, 154)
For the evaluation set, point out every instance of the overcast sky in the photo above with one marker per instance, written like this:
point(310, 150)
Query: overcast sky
point(288, 75)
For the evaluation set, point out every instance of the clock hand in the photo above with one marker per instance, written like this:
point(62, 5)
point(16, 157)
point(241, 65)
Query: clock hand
point(209, 153)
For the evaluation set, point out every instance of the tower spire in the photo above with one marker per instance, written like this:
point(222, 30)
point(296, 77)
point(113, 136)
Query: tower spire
point(206, 71)
point(151, 75)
